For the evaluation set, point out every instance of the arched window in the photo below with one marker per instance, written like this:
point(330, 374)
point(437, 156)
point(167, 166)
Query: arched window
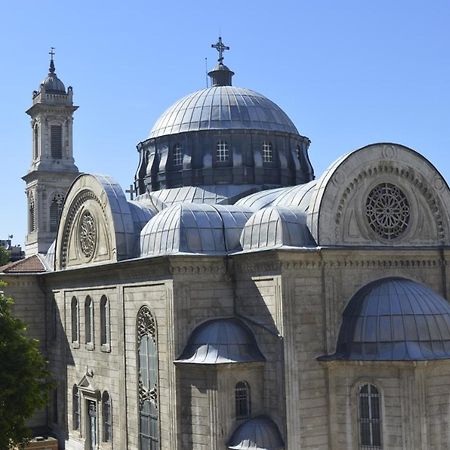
point(31, 213)
point(75, 319)
point(267, 152)
point(89, 321)
point(36, 141)
point(222, 152)
point(242, 400)
point(56, 207)
point(106, 417)
point(148, 381)
point(75, 408)
point(369, 417)
point(177, 155)
point(104, 321)
point(56, 141)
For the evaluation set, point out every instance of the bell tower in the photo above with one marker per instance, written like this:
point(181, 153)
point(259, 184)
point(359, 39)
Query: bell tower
point(52, 167)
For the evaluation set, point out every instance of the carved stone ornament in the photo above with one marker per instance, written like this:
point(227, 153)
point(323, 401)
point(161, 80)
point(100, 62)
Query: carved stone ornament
point(87, 234)
point(387, 211)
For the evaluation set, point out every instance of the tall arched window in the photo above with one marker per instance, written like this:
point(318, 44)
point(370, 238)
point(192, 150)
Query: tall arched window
point(36, 141)
point(75, 319)
point(177, 155)
point(88, 321)
point(148, 381)
point(56, 141)
point(369, 417)
point(56, 207)
point(75, 408)
point(106, 417)
point(31, 213)
point(222, 152)
point(242, 400)
point(267, 152)
point(104, 321)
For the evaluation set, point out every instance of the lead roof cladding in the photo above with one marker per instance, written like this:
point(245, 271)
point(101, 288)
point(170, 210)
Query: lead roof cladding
point(259, 433)
point(222, 107)
point(221, 341)
point(394, 319)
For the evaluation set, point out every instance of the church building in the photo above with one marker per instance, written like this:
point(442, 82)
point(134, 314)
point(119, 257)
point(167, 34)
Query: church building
point(237, 300)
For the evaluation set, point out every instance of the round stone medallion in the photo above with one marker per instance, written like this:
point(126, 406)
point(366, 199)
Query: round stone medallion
point(87, 234)
point(387, 211)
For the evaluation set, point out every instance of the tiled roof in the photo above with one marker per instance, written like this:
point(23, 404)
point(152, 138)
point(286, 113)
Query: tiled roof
point(32, 264)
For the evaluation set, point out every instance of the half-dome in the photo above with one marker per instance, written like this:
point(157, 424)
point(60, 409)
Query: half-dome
point(395, 319)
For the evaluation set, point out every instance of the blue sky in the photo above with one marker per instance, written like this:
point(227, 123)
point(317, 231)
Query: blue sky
point(348, 74)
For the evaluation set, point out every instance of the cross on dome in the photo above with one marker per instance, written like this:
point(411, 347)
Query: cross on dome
point(52, 64)
point(220, 47)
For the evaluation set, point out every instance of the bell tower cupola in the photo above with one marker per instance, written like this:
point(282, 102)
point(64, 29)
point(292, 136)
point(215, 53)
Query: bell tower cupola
point(52, 168)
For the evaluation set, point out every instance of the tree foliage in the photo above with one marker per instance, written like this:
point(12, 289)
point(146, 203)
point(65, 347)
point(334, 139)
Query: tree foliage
point(4, 256)
point(24, 377)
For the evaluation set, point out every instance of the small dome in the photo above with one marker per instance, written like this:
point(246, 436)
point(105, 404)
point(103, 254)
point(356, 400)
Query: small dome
point(221, 341)
point(260, 433)
point(53, 85)
point(223, 107)
point(395, 319)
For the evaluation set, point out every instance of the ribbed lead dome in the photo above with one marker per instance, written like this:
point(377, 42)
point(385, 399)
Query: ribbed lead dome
point(395, 319)
point(223, 107)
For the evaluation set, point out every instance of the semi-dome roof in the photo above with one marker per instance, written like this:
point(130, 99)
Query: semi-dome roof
point(395, 319)
point(223, 107)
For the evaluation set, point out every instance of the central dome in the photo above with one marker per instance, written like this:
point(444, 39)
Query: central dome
point(223, 107)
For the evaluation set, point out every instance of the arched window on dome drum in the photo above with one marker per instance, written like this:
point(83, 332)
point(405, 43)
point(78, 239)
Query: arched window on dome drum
point(267, 152)
point(242, 400)
point(75, 408)
point(36, 141)
point(56, 207)
point(148, 381)
point(369, 418)
point(222, 152)
point(31, 214)
point(177, 155)
point(88, 321)
point(104, 321)
point(106, 417)
point(75, 319)
point(56, 141)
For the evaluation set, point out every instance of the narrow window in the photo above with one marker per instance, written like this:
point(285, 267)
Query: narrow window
point(36, 141)
point(75, 408)
point(55, 211)
point(74, 319)
point(222, 153)
point(54, 311)
point(369, 418)
point(267, 152)
point(55, 406)
point(31, 214)
point(104, 321)
point(242, 400)
point(89, 321)
point(177, 155)
point(148, 381)
point(106, 417)
point(56, 141)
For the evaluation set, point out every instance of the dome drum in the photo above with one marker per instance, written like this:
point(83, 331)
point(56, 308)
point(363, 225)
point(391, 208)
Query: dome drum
point(223, 157)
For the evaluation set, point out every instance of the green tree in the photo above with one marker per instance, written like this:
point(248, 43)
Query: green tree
point(24, 377)
point(4, 256)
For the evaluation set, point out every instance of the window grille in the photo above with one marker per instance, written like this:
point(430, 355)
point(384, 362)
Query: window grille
point(104, 321)
point(75, 408)
point(177, 156)
point(89, 321)
point(56, 207)
point(267, 152)
point(148, 381)
point(74, 319)
point(56, 141)
point(106, 416)
point(222, 153)
point(36, 142)
point(369, 418)
point(242, 400)
point(31, 215)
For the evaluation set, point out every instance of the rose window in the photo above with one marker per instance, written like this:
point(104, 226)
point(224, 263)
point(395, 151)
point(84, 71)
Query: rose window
point(87, 234)
point(387, 210)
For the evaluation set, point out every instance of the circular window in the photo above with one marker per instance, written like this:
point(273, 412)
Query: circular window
point(87, 234)
point(387, 210)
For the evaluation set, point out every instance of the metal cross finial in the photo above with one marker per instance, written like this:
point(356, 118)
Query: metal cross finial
point(131, 191)
point(220, 47)
point(52, 64)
